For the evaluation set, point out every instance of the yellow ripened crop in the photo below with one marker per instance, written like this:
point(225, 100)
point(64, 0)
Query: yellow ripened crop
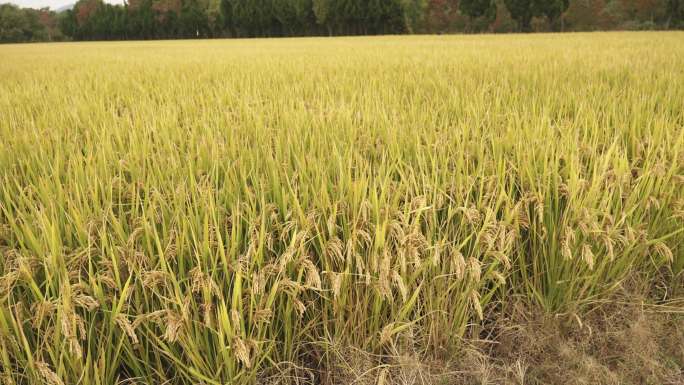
point(214, 212)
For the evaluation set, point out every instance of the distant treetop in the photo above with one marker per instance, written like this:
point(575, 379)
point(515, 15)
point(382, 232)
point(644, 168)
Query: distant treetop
point(177, 19)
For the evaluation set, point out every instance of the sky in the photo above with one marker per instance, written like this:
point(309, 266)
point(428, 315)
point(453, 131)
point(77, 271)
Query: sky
point(54, 4)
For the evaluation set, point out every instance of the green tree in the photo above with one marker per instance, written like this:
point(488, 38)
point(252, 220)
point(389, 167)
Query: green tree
point(140, 19)
point(294, 16)
point(483, 11)
point(477, 8)
point(228, 18)
point(67, 23)
point(321, 10)
point(675, 14)
point(552, 9)
point(21, 25)
point(413, 12)
point(14, 27)
point(385, 16)
point(214, 17)
point(193, 21)
point(522, 12)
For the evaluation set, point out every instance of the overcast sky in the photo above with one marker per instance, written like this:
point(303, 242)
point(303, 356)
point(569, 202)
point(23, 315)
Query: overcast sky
point(54, 4)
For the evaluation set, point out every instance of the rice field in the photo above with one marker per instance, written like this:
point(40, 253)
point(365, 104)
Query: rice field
point(239, 211)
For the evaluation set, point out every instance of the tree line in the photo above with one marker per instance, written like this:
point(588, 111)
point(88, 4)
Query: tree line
point(172, 19)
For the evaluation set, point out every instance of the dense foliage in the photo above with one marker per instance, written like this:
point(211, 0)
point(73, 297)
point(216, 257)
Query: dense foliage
point(20, 25)
point(170, 19)
point(222, 211)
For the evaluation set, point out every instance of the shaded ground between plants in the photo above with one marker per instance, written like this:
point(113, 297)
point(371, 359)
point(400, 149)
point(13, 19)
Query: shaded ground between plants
point(635, 342)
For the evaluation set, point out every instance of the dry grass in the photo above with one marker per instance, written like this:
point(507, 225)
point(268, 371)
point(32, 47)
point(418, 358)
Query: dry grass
point(615, 344)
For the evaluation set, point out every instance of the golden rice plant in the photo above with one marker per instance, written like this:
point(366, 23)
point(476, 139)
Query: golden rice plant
point(220, 211)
